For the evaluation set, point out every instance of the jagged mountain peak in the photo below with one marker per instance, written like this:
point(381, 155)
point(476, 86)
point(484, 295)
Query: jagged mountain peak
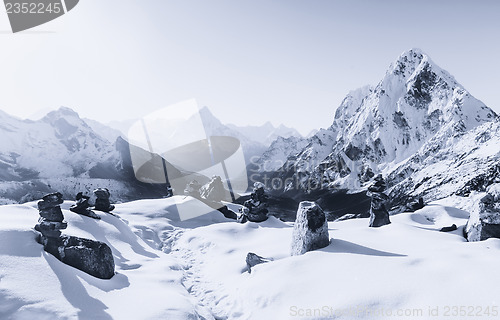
point(417, 105)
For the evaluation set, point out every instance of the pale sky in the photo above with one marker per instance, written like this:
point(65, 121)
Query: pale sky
point(249, 61)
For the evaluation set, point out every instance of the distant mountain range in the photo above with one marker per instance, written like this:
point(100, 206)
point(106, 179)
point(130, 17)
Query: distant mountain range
point(62, 152)
point(418, 127)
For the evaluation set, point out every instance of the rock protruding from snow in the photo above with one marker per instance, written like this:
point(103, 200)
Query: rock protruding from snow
point(310, 231)
point(484, 220)
point(82, 206)
point(102, 200)
point(255, 208)
point(252, 260)
point(51, 219)
point(379, 216)
point(89, 256)
point(214, 190)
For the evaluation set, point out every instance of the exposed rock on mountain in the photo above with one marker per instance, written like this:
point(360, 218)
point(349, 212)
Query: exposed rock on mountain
point(417, 126)
point(266, 133)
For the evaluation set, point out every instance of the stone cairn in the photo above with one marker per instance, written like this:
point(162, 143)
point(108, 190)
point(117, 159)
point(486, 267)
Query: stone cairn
point(255, 208)
point(310, 231)
point(379, 216)
point(82, 206)
point(92, 257)
point(102, 200)
point(253, 259)
point(51, 220)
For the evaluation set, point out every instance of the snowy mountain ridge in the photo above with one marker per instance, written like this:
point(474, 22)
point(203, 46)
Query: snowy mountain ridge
point(376, 129)
point(266, 133)
point(62, 152)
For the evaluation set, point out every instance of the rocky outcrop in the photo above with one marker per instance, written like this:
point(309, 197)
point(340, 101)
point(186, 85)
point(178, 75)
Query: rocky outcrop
point(92, 257)
point(484, 220)
point(252, 260)
point(310, 231)
point(82, 206)
point(102, 200)
point(451, 228)
point(51, 220)
point(415, 205)
point(379, 216)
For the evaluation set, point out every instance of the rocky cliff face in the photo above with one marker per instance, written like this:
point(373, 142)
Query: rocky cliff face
point(416, 117)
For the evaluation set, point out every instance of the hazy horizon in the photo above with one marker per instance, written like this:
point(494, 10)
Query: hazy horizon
point(288, 62)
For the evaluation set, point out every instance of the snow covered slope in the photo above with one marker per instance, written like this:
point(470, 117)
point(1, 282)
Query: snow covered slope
point(417, 106)
point(195, 269)
point(147, 283)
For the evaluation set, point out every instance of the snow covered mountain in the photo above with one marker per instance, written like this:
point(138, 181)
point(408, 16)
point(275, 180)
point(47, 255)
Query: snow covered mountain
point(417, 111)
point(214, 127)
point(251, 145)
point(62, 152)
point(266, 133)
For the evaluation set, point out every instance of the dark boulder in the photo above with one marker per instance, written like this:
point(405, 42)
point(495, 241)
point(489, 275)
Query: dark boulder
point(453, 227)
point(89, 256)
point(310, 231)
